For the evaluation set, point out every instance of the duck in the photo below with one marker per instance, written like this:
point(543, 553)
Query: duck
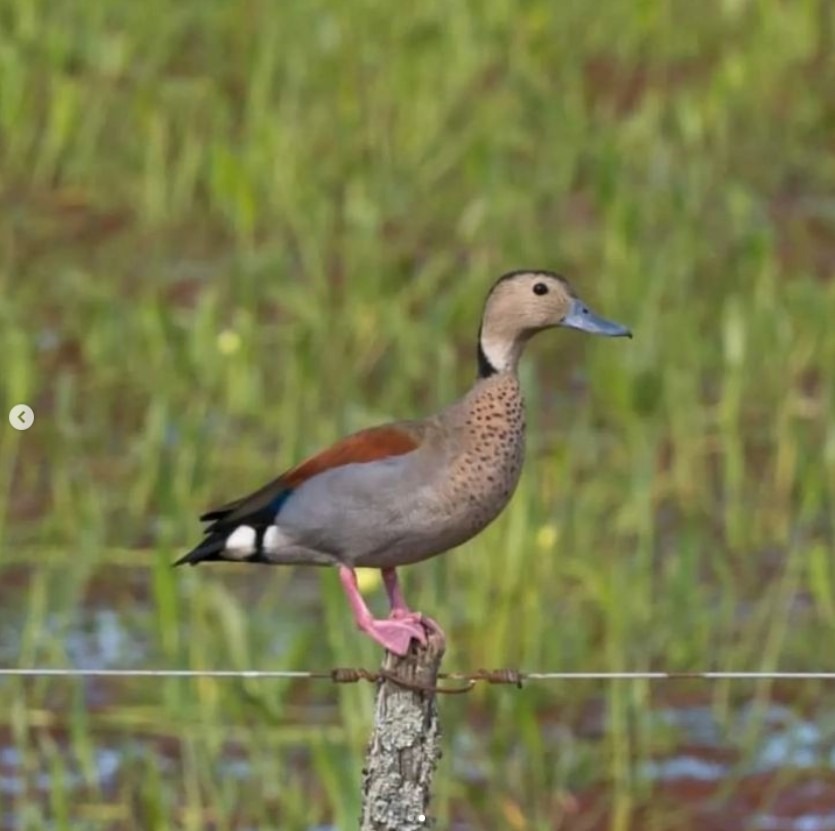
point(396, 494)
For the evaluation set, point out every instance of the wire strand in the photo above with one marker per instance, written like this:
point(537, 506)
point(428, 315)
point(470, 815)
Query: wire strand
point(348, 675)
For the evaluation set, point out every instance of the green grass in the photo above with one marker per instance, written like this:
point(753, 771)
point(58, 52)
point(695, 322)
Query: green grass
point(230, 233)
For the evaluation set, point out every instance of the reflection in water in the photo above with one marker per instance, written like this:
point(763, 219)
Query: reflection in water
point(103, 641)
point(807, 822)
point(684, 767)
point(97, 637)
point(786, 739)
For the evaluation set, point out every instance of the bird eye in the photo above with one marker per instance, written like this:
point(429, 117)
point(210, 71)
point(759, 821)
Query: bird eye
point(540, 288)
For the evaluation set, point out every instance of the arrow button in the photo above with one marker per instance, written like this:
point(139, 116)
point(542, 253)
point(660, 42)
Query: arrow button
point(21, 417)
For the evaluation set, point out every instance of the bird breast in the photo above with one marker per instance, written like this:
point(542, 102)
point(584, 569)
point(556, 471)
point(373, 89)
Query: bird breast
point(486, 471)
point(470, 469)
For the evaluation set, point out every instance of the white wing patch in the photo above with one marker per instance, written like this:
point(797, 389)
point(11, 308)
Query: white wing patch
point(274, 539)
point(240, 544)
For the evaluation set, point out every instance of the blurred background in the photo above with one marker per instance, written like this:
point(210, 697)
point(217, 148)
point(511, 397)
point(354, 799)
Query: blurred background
point(231, 232)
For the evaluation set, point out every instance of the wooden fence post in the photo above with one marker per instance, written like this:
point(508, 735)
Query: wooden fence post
point(405, 743)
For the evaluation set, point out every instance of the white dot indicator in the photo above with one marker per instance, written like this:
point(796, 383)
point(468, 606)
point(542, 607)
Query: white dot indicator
point(21, 417)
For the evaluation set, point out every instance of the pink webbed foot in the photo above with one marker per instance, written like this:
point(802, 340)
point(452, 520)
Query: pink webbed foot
point(416, 618)
point(394, 635)
point(399, 609)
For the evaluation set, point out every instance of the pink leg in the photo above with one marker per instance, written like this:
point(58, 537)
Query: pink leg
point(399, 609)
point(396, 601)
point(394, 634)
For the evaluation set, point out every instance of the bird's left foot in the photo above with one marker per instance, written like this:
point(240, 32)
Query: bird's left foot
point(394, 635)
point(428, 623)
point(399, 609)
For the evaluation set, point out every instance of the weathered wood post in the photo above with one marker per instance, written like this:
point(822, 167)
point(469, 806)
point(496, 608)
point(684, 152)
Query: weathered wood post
point(405, 743)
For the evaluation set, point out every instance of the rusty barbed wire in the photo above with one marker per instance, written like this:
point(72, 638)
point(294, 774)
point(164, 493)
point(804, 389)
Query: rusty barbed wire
point(351, 675)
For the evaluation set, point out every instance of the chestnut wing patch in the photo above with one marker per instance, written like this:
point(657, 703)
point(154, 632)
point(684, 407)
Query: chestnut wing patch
point(367, 446)
point(258, 510)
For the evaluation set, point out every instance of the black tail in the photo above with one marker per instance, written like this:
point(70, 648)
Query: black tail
point(209, 549)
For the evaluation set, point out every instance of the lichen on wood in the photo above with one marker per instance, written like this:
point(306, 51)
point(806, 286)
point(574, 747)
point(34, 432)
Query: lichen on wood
point(405, 743)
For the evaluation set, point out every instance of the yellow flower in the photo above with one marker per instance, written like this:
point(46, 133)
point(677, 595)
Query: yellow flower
point(368, 579)
point(228, 342)
point(547, 536)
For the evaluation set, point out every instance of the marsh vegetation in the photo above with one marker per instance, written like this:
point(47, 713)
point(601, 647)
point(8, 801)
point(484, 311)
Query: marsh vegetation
point(233, 232)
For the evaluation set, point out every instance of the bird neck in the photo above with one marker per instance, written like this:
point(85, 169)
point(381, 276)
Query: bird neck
point(498, 354)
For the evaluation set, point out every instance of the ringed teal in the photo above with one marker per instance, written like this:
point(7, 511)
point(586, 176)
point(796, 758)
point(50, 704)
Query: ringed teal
point(402, 492)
